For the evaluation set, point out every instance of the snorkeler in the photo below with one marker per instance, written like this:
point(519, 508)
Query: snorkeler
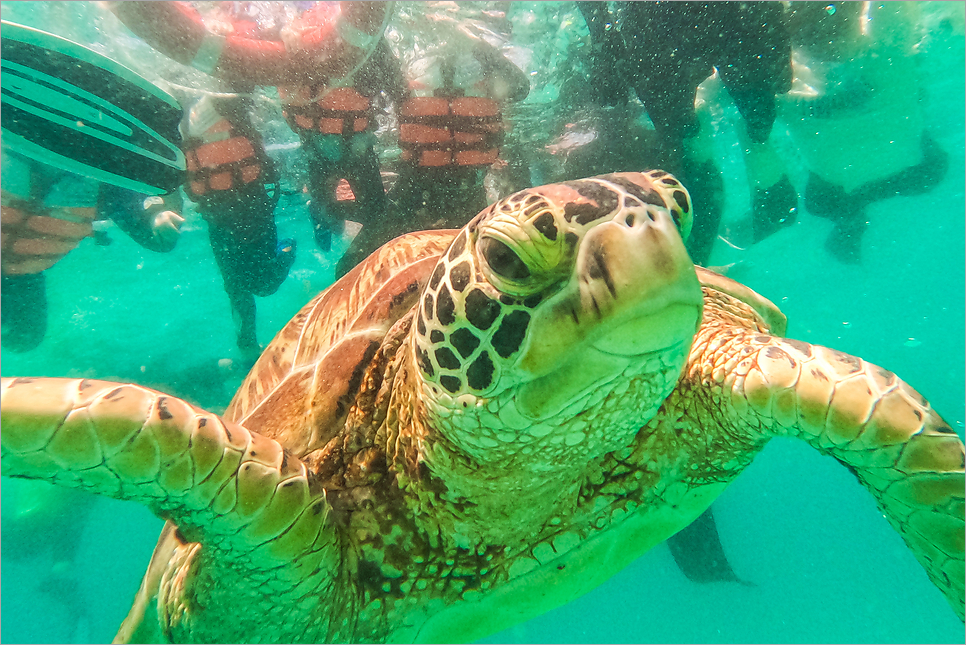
point(311, 52)
point(855, 115)
point(664, 51)
point(336, 127)
point(451, 129)
point(235, 185)
point(63, 169)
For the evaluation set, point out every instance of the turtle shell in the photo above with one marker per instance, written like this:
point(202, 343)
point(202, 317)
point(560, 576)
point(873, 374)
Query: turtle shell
point(297, 391)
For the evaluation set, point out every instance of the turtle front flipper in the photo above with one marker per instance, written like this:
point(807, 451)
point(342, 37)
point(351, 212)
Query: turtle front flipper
point(868, 419)
point(246, 501)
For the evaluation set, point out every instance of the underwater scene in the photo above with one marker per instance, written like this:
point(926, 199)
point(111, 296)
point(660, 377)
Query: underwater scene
point(825, 172)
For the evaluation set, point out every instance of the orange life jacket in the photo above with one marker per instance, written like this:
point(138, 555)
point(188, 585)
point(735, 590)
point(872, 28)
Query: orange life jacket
point(33, 240)
point(340, 110)
point(328, 40)
point(343, 192)
point(461, 131)
point(223, 160)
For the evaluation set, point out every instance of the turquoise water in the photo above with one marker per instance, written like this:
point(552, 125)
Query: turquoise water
point(826, 565)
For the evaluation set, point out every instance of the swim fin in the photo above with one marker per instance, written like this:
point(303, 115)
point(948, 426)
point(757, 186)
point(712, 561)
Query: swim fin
point(698, 552)
point(68, 106)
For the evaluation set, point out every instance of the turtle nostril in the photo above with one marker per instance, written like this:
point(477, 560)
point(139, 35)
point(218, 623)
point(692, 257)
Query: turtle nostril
point(633, 220)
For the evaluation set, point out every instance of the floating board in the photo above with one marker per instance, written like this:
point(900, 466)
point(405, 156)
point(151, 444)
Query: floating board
point(68, 106)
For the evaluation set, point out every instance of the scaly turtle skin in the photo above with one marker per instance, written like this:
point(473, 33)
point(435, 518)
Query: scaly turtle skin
point(475, 426)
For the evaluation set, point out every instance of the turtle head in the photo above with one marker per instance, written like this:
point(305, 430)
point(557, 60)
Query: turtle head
point(560, 318)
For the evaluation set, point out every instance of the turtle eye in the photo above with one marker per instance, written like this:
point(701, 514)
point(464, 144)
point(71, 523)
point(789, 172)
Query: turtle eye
point(503, 261)
point(676, 198)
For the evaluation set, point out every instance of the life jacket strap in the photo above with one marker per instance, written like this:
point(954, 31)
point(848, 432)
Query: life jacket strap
point(437, 131)
point(223, 160)
point(340, 110)
point(33, 240)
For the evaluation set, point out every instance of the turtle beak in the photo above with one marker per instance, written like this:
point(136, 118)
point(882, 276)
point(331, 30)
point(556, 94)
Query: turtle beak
point(636, 277)
point(633, 291)
point(633, 296)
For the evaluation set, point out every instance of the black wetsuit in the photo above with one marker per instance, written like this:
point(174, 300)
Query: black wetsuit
point(664, 50)
point(674, 46)
point(241, 228)
point(350, 156)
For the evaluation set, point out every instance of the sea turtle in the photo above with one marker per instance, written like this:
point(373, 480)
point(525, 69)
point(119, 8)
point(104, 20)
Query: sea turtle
point(475, 426)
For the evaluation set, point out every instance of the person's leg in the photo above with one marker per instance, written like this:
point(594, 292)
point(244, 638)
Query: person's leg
point(402, 216)
point(848, 209)
point(915, 180)
point(706, 188)
point(753, 59)
point(687, 153)
point(23, 308)
point(324, 155)
point(774, 200)
point(261, 259)
point(675, 122)
point(830, 201)
point(668, 91)
point(371, 205)
point(243, 314)
point(251, 258)
point(230, 256)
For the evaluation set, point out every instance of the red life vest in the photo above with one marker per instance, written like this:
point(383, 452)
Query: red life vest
point(463, 131)
point(343, 192)
point(340, 110)
point(328, 41)
point(222, 160)
point(33, 240)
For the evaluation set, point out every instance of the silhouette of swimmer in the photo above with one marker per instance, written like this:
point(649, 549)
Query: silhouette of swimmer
point(698, 552)
point(59, 515)
point(855, 115)
point(847, 208)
